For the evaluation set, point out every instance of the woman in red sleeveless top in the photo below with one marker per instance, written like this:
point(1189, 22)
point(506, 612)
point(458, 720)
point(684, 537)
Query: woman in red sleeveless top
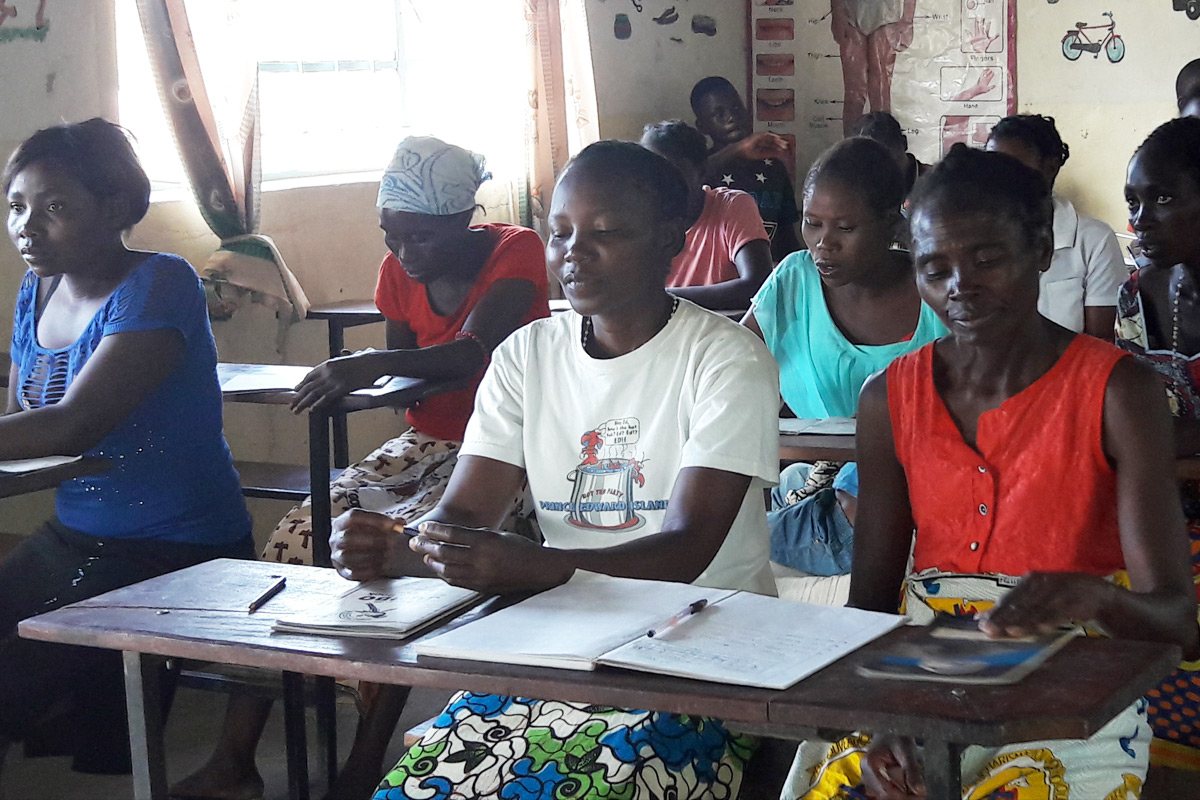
point(1028, 469)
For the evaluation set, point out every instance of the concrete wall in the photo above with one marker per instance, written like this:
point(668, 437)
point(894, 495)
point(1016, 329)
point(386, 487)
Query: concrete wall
point(649, 76)
point(1103, 110)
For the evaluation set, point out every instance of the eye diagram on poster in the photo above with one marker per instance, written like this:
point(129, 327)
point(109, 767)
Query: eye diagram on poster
point(943, 68)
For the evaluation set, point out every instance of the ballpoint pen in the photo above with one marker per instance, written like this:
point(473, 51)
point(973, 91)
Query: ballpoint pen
point(411, 530)
point(272, 590)
point(666, 625)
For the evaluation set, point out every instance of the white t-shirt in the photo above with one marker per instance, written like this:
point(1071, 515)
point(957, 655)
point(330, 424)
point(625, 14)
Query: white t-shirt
point(1087, 268)
point(602, 440)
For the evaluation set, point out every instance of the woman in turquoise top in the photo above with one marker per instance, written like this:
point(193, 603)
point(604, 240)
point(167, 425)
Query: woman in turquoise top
point(832, 316)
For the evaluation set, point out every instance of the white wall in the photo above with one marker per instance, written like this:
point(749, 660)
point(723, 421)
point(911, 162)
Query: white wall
point(649, 76)
point(1102, 110)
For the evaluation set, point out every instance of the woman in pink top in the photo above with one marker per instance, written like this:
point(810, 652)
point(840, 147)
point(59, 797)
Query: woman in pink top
point(727, 255)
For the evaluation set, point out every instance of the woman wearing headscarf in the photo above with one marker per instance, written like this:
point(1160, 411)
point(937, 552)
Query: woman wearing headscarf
point(450, 292)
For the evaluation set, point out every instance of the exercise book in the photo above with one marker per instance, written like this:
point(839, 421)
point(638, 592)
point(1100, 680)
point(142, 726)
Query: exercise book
point(735, 637)
point(389, 608)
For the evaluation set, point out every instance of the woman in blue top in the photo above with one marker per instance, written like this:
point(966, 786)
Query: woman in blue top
point(832, 316)
point(112, 357)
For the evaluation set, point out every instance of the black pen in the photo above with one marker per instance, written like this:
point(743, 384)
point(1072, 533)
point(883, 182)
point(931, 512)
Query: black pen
point(411, 531)
point(272, 590)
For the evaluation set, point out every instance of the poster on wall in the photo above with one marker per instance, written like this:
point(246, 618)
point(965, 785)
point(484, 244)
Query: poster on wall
point(944, 68)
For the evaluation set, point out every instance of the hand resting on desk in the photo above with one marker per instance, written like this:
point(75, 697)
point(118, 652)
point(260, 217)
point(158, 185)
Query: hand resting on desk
point(1042, 601)
point(332, 380)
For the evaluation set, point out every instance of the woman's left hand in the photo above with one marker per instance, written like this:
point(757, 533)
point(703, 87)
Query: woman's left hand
point(334, 379)
point(1043, 601)
point(488, 561)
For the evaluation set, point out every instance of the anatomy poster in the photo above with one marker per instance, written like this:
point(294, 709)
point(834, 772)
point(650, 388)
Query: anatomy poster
point(943, 68)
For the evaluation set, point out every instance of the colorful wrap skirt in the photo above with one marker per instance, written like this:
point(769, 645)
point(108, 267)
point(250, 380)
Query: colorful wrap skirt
point(516, 748)
point(1110, 765)
point(1174, 711)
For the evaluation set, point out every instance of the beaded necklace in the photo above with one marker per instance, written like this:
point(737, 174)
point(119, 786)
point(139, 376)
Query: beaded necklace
point(585, 332)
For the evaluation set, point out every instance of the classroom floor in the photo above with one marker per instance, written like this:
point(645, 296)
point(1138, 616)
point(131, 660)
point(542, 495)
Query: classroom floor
point(191, 730)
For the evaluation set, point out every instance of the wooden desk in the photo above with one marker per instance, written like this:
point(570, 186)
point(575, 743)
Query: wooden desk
point(339, 316)
point(815, 447)
point(15, 483)
point(200, 613)
point(396, 393)
point(1071, 696)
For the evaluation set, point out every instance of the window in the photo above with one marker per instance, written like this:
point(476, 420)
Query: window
point(340, 84)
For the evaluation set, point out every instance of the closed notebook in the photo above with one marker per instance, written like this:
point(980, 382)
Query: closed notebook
point(954, 650)
point(738, 638)
point(381, 609)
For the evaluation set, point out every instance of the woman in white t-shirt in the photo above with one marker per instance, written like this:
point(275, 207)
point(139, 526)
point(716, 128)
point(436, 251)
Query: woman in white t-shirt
point(647, 429)
point(1079, 291)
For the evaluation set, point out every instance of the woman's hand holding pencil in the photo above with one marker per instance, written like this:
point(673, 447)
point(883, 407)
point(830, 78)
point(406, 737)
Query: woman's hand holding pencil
point(364, 546)
point(487, 561)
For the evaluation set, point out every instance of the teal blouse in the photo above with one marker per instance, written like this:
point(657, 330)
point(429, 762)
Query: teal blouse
point(820, 371)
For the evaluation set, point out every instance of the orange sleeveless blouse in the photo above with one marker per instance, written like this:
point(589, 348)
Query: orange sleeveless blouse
point(1036, 494)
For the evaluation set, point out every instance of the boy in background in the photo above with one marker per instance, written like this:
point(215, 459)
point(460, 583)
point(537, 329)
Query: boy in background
point(751, 162)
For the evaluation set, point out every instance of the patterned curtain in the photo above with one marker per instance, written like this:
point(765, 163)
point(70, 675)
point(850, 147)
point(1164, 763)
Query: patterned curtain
point(562, 98)
point(216, 129)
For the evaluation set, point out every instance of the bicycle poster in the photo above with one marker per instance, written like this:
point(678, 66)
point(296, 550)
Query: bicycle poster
point(946, 69)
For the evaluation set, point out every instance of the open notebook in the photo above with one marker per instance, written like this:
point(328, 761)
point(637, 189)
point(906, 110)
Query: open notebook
point(738, 638)
point(389, 608)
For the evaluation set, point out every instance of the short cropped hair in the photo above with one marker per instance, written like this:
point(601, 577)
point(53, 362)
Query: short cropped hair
point(676, 139)
point(882, 127)
point(971, 181)
point(1176, 141)
point(96, 153)
point(1035, 130)
point(1187, 83)
point(710, 85)
point(866, 167)
point(628, 161)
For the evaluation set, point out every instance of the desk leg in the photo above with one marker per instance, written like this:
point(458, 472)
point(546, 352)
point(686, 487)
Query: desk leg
point(294, 735)
point(143, 703)
point(318, 485)
point(341, 444)
point(326, 702)
point(943, 770)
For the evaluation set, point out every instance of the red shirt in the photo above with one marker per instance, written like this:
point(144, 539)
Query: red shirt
point(1037, 491)
point(518, 254)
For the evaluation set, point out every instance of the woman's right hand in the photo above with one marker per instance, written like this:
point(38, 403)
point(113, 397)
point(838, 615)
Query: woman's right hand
point(332, 380)
point(891, 769)
point(363, 544)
